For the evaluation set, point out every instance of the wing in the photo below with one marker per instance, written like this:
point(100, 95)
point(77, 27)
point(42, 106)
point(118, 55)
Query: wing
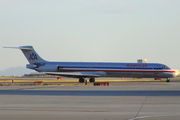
point(74, 74)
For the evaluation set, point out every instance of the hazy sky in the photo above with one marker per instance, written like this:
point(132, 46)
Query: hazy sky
point(91, 30)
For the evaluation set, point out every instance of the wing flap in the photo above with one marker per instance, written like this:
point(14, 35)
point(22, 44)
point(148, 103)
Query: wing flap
point(73, 74)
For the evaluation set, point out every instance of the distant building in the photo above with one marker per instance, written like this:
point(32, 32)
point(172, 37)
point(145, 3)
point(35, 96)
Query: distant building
point(142, 60)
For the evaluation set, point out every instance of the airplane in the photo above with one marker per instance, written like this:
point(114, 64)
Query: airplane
point(92, 70)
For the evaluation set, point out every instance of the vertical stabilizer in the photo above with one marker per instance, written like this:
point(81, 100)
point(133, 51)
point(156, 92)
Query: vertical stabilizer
point(30, 54)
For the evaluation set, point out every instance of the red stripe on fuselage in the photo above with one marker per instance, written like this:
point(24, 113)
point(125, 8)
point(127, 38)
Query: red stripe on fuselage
point(116, 70)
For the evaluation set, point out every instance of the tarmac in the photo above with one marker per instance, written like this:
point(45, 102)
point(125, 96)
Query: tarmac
point(128, 100)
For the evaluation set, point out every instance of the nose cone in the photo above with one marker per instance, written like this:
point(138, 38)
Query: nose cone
point(172, 73)
point(175, 73)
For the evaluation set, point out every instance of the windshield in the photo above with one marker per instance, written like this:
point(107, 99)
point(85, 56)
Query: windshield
point(165, 67)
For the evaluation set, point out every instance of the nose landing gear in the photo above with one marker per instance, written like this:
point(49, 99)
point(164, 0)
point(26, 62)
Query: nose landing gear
point(168, 80)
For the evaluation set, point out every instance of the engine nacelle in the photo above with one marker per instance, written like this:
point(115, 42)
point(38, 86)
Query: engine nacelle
point(31, 66)
point(48, 68)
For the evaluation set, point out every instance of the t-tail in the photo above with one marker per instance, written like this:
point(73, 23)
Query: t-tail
point(31, 55)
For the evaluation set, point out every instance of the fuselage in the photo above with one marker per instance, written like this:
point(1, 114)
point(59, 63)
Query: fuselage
point(90, 70)
point(141, 70)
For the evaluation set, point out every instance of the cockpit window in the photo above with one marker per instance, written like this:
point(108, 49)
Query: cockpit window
point(165, 67)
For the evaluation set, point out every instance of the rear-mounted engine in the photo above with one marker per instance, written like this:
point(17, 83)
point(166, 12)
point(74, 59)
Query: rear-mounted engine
point(31, 66)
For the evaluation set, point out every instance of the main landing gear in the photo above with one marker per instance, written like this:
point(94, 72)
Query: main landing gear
point(168, 80)
point(81, 80)
point(92, 80)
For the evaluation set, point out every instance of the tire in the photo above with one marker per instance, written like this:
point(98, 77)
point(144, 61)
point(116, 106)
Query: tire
point(92, 80)
point(81, 80)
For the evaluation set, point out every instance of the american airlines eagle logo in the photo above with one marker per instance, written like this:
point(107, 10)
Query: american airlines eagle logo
point(33, 56)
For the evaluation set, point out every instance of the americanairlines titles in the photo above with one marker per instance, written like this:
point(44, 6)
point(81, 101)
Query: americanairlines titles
point(135, 65)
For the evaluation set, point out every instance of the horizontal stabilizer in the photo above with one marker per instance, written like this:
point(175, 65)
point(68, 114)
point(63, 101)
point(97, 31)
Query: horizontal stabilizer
point(30, 54)
point(22, 47)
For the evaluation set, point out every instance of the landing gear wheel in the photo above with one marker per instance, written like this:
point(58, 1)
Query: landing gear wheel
point(81, 80)
point(168, 80)
point(92, 80)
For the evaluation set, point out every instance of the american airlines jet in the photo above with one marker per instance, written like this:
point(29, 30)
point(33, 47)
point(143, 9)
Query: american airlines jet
point(91, 70)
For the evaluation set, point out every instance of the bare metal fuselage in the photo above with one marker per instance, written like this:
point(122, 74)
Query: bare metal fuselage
point(91, 70)
point(141, 70)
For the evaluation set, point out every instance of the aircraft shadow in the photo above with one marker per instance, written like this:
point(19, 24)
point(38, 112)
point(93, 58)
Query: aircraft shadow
point(89, 93)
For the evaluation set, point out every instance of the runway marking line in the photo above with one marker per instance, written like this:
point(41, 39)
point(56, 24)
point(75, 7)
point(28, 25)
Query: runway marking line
point(141, 117)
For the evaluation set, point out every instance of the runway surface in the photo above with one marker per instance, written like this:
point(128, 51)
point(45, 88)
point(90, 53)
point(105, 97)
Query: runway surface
point(127, 101)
